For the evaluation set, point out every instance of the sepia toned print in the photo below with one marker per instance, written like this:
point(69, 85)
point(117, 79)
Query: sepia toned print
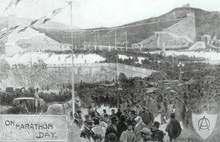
point(109, 71)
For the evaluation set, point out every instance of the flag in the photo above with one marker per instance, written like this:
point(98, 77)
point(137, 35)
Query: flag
point(35, 21)
point(8, 31)
point(30, 24)
point(12, 5)
point(23, 29)
point(52, 15)
point(186, 5)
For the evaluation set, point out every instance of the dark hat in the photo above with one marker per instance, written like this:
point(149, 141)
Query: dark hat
point(96, 120)
point(113, 119)
point(88, 119)
point(131, 123)
point(172, 115)
point(122, 117)
point(112, 137)
point(157, 124)
point(133, 112)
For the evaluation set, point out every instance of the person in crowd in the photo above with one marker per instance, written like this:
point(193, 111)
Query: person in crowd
point(157, 135)
point(106, 119)
point(122, 126)
point(118, 113)
point(98, 130)
point(137, 108)
point(113, 114)
point(138, 127)
point(146, 135)
point(112, 138)
point(104, 113)
point(128, 135)
point(128, 109)
point(126, 114)
point(95, 113)
point(102, 122)
point(132, 117)
point(78, 118)
point(187, 121)
point(112, 128)
point(173, 128)
point(146, 116)
point(87, 131)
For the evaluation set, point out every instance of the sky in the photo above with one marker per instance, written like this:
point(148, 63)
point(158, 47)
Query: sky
point(103, 13)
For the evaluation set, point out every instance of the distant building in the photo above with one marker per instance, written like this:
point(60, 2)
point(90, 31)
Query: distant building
point(179, 35)
point(65, 60)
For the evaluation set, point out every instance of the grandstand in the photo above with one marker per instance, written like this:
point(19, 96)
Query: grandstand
point(179, 35)
point(172, 29)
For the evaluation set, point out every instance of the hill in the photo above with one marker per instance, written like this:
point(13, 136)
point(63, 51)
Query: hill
point(206, 23)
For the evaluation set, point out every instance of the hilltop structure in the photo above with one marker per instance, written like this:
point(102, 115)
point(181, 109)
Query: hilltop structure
point(181, 34)
point(180, 28)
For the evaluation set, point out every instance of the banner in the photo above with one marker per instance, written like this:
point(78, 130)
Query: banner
point(33, 128)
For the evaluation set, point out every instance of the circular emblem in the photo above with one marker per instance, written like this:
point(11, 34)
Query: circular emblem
point(204, 123)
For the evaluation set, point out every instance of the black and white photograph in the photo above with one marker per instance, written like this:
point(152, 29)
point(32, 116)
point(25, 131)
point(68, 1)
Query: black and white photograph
point(109, 71)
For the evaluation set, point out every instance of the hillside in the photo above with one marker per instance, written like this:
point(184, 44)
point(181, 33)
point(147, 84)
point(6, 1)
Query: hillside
point(206, 23)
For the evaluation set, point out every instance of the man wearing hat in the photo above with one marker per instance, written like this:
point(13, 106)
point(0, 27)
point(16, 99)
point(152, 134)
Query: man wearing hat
point(113, 114)
point(157, 135)
point(78, 118)
point(146, 116)
point(87, 132)
point(122, 126)
point(128, 135)
point(146, 135)
point(132, 117)
point(112, 138)
point(112, 128)
point(173, 128)
point(98, 130)
point(138, 127)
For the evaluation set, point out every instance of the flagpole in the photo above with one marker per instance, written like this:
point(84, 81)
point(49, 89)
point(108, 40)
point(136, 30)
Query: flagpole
point(84, 45)
point(95, 41)
point(98, 39)
point(115, 39)
point(126, 40)
point(73, 95)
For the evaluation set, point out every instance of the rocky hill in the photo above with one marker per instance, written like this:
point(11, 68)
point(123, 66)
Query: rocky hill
point(206, 23)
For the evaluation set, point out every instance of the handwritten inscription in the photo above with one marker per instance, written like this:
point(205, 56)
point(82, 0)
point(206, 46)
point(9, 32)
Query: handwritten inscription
point(28, 127)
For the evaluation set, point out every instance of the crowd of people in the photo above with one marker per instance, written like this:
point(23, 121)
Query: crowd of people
point(125, 126)
point(197, 90)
